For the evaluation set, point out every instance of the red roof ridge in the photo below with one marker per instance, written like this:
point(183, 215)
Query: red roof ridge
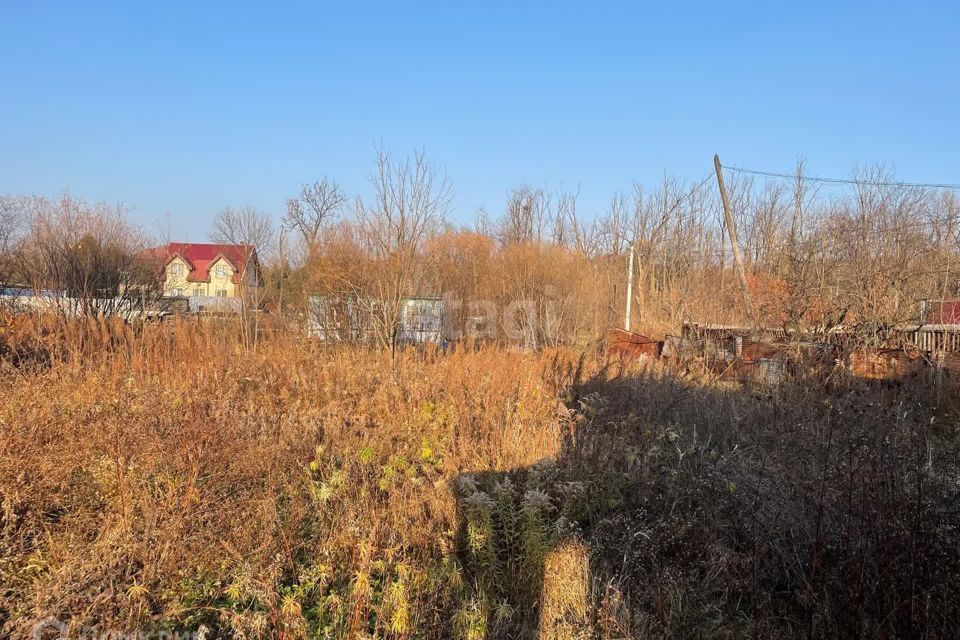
point(201, 256)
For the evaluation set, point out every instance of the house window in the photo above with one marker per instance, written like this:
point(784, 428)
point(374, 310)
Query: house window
point(176, 293)
point(221, 271)
point(176, 269)
point(221, 293)
point(198, 292)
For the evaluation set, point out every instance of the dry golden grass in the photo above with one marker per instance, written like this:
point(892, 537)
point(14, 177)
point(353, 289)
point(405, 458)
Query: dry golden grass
point(566, 593)
point(170, 478)
point(174, 477)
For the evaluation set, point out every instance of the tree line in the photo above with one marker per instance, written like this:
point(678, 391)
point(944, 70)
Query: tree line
point(818, 255)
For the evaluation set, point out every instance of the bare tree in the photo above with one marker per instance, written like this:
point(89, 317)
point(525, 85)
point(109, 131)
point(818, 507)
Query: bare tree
point(248, 226)
point(315, 207)
point(613, 226)
point(245, 225)
point(411, 202)
point(583, 238)
point(525, 216)
point(12, 219)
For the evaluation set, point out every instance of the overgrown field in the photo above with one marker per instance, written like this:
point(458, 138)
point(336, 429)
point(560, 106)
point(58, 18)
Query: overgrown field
point(175, 479)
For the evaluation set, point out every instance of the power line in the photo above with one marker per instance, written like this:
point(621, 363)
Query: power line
point(773, 174)
point(825, 241)
point(689, 194)
point(831, 242)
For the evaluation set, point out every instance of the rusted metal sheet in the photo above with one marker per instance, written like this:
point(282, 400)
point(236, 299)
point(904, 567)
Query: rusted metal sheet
point(765, 356)
point(762, 363)
point(950, 362)
point(752, 351)
point(770, 363)
point(887, 364)
point(628, 344)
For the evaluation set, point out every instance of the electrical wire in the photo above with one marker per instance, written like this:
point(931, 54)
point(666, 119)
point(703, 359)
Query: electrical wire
point(773, 174)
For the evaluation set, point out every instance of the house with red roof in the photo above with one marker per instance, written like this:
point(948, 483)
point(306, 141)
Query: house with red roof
point(201, 269)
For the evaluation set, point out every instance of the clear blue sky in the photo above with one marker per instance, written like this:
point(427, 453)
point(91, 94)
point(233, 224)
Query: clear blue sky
point(177, 109)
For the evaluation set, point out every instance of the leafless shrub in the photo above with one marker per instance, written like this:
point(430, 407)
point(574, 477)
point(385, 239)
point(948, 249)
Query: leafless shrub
point(12, 226)
point(391, 231)
point(85, 259)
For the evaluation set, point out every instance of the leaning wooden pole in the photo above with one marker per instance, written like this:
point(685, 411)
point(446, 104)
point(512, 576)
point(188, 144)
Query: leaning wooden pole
point(626, 319)
point(732, 232)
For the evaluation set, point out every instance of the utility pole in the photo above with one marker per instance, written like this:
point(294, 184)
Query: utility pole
point(732, 231)
point(723, 259)
point(626, 320)
point(283, 271)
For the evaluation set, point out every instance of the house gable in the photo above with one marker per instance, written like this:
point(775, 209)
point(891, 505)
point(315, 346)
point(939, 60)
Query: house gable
point(221, 276)
point(176, 276)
